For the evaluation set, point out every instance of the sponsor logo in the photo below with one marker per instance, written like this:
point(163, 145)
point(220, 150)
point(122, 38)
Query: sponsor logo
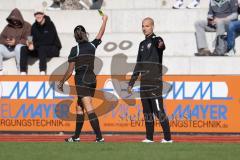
point(185, 90)
point(32, 90)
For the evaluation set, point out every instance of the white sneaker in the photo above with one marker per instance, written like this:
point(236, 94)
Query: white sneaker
point(232, 52)
point(42, 73)
point(23, 73)
point(178, 4)
point(147, 141)
point(100, 140)
point(72, 139)
point(165, 141)
point(193, 4)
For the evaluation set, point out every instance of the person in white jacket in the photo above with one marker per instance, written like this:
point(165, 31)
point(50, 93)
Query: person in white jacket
point(179, 4)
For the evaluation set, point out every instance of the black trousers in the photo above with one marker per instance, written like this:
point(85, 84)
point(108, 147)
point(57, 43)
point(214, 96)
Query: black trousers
point(42, 53)
point(152, 103)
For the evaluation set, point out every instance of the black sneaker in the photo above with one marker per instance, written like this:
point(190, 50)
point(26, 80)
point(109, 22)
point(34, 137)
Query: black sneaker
point(55, 6)
point(72, 139)
point(100, 140)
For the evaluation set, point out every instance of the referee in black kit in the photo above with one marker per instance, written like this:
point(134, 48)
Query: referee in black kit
point(149, 65)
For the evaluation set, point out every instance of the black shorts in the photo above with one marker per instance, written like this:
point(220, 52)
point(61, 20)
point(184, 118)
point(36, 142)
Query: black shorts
point(85, 87)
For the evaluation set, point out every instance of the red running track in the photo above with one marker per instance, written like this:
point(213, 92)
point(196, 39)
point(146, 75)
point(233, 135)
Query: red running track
point(118, 138)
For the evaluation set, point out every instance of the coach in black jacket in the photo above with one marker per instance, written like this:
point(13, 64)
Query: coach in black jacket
point(45, 43)
point(149, 65)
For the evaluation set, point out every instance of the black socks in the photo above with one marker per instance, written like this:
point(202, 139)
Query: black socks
point(79, 125)
point(95, 125)
point(93, 121)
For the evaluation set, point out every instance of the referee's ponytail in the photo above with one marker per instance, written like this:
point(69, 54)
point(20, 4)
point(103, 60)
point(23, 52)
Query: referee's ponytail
point(80, 34)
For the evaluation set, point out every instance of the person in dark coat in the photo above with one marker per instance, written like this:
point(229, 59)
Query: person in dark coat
point(44, 43)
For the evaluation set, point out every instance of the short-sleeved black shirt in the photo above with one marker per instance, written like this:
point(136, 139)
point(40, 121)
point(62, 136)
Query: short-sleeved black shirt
point(83, 55)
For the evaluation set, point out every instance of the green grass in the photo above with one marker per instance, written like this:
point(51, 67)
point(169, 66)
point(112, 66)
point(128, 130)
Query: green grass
point(118, 151)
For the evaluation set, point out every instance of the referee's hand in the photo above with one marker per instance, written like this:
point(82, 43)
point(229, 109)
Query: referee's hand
point(105, 18)
point(129, 90)
point(60, 86)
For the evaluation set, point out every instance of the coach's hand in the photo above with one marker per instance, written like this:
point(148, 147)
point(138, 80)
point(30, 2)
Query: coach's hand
point(129, 90)
point(160, 44)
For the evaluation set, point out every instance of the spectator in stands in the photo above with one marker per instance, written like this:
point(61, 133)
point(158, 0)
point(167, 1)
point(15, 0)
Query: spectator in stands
point(75, 4)
point(220, 14)
point(45, 42)
point(232, 33)
point(179, 4)
point(13, 37)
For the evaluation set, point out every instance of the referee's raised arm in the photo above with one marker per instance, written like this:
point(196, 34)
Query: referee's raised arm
point(103, 27)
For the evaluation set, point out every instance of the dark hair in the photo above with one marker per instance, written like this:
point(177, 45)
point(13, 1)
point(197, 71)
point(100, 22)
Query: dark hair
point(80, 34)
point(41, 13)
